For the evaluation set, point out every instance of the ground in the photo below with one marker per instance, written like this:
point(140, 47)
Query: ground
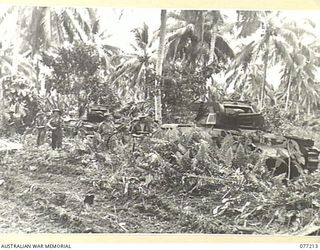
point(74, 191)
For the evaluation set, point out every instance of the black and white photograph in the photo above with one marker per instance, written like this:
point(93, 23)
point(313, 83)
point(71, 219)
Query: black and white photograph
point(163, 121)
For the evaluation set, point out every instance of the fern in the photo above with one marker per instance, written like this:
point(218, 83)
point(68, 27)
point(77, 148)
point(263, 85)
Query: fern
point(240, 157)
point(203, 152)
point(229, 157)
point(226, 145)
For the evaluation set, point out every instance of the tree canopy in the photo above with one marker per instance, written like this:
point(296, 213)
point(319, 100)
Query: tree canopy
point(67, 51)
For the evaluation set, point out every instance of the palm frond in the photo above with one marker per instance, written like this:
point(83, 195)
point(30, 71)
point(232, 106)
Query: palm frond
point(141, 36)
point(95, 27)
point(86, 18)
point(35, 28)
point(310, 70)
point(67, 28)
point(298, 30)
point(223, 48)
point(75, 24)
point(6, 13)
point(175, 15)
point(172, 28)
point(46, 24)
point(245, 56)
point(281, 51)
point(310, 22)
point(249, 22)
point(140, 72)
point(125, 68)
point(290, 37)
point(216, 16)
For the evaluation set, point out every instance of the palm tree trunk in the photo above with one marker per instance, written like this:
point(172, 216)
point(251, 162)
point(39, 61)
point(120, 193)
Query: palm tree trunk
point(199, 25)
point(242, 97)
point(15, 58)
point(288, 91)
point(298, 101)
point(262, 94)
point(146, 87)
point(212, 44)
point(157, 101)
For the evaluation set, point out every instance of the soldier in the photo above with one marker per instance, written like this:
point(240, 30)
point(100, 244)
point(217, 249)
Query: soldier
point(106, 128)
point(12, 122)
point(135, 126)
point(41, 127)
point(55, 124)
point(141, 125)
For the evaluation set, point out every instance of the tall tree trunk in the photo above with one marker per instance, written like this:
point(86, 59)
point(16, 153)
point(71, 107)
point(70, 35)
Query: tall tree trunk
point(157, 101)
point(15, 57)
point(199, 25)
point(288, 91)
point(146, 87)
point(48, 27)
point(263, 88)
point(298, 100)
point(212, 54)
point(199, 31)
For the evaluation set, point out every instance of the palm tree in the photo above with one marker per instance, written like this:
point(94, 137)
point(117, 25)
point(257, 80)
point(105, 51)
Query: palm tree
point(53, 26)
point(194, 36)
point(214, 31)
point(298, 75)
point(299, 82)
point(136, 68)
point(272, 47)
point(39, 28)
point(160, 57)
point(249, 22)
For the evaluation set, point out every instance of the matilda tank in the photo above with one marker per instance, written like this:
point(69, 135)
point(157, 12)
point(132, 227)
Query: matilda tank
point(283, 153)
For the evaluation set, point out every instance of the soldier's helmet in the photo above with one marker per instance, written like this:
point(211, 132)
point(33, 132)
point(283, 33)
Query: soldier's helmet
point(56, 111)
point(142, 116)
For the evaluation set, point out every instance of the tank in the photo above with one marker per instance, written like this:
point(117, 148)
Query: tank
point(283, 153)
point(228, 115)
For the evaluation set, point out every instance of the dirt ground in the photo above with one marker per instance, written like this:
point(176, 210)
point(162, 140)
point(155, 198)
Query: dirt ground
point(69, 191)
point(44, 191)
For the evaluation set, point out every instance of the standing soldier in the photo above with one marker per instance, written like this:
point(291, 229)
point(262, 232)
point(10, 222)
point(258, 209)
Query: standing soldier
point(12, 124)
point(106, 128)
point(41, 127)
point(55, 124)
point(142, 125)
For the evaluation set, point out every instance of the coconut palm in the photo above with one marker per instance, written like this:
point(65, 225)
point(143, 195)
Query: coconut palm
point(299, 73)
point(249, 22)
point(133, 75)
point(298, 82)
point(159, 63)
point(273, 46)
point(194, 36)
point(52, 26)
